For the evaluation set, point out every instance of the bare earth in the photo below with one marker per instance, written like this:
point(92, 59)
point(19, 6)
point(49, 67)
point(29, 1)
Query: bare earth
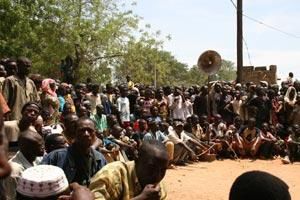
point(212, 181)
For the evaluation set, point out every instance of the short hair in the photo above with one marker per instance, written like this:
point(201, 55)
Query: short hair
point(22, 59)
point(259, 185)
point(51, 139)
point(81, 119)
point(149, 146)
point(29, 104)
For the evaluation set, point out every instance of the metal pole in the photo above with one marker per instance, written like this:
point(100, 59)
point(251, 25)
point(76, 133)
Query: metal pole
point(239, 40)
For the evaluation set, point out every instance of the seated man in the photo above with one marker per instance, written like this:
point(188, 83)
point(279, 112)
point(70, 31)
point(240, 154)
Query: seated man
point(267, 147)
point(155, 134)
point(293, 151)
point(181, 144)
point(139, 179)
point(248, 139)
point(36, 181)
point(31, 146)
point(127, 146)
point(69, 123)
point(55, 141)
point(79, 161)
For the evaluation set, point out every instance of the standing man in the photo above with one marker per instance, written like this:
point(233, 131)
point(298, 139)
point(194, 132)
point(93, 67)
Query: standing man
point(19, 89)
point(176, 104)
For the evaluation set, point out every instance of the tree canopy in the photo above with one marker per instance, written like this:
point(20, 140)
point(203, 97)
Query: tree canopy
point(101, 36)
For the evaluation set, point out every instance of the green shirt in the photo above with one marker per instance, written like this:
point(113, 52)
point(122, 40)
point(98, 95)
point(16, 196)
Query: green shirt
point(101, 122)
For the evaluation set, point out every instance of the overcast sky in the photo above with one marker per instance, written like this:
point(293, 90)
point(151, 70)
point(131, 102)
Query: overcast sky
point(199, 25)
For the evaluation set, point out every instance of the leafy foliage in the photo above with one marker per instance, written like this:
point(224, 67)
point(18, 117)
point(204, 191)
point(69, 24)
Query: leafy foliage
point(102, 36)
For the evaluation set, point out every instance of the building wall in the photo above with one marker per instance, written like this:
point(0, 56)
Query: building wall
point(257, 74)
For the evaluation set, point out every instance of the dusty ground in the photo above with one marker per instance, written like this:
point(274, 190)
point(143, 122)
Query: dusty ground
point(212, 181)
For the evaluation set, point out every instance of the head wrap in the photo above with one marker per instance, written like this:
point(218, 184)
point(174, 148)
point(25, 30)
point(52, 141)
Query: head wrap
point(46, 86)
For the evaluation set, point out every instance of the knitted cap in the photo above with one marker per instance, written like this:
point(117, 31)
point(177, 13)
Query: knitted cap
point(42, 181)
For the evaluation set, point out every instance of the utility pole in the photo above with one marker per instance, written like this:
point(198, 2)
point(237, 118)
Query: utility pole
point(239, 40)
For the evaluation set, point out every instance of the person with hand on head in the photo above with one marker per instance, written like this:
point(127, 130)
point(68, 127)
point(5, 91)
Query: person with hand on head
point(135, 180)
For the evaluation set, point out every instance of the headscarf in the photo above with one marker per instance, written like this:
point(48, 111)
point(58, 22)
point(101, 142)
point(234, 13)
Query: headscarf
point(46, 86)
point(287, 96)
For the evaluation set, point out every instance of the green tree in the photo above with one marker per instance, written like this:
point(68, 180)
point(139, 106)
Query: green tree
point(93, 32)
point(144, 57)
point(227, 71)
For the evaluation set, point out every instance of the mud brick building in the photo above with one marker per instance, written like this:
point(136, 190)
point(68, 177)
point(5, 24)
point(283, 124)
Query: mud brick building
point(257, 74)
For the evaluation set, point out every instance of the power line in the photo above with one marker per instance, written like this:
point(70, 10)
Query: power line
point(246, 45)
point(267, 25)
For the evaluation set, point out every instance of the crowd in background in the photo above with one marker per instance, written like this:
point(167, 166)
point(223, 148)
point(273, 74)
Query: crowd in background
point(85, 126)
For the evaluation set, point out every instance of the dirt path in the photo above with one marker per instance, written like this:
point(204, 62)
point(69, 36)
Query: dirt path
point(212, 181)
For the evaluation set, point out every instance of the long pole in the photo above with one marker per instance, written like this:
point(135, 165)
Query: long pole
point(155, 76)
point(239, 40)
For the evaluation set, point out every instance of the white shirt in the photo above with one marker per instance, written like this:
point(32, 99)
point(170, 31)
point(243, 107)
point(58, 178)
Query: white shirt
point(182, 137)
point(18, 165)
point(123, 108)
point(176, 107)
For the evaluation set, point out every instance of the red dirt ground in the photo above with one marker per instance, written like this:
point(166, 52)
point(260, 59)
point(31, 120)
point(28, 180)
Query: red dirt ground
point(212, 181)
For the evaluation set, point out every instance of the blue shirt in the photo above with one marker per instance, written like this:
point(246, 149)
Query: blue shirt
point(157, 136)
point(67, 159)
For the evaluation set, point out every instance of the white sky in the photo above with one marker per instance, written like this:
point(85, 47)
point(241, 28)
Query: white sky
point(199, 25)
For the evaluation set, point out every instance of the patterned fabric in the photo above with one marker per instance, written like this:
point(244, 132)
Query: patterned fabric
point(42, 181)
point(118, 181)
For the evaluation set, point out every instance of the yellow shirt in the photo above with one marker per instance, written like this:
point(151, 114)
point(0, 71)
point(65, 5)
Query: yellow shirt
point(118, 181)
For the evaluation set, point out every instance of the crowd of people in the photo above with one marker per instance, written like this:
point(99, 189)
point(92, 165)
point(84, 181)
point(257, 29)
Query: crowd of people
point(118, 141)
